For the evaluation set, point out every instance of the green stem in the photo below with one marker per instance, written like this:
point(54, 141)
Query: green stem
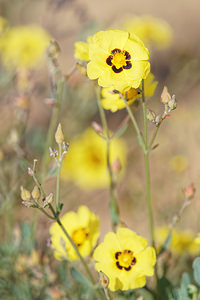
point(52, 127)
point(147, 171)
point(114, 210)
point(135, 125)
point(58, 178)
point(154, 137)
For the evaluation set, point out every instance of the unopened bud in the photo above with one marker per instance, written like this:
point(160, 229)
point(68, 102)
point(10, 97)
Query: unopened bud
point(59, 137)
point(25, 194)
point(172, 103)
point(165, 96)
point(151, 115)
point(104, 281)
point(189, 191)
point(36, 193)
point(97, 127)
point(48, 200)
point(54, 49)
point(158, 119)
point(116, 166)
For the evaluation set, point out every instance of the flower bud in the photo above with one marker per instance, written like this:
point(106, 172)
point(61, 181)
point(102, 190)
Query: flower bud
point(48, 200)
point(104, 281)
point(97, 127)
point(59, 137)
point(25, 194)
point(54, 49)
point(116, 166)
point(189, 191)
point(172, 103)
point(158, 119)
point(36, 193)
point(165, 96)
point(151, 115)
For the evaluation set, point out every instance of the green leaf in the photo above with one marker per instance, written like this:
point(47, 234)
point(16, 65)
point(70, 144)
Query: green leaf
point(183, 290)
point(80, 277)
point(196, 270)
point(165, 288)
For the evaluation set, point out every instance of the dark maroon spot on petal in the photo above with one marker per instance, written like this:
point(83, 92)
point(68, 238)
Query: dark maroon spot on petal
point(109, 60)
point(128, 65)
point(117, 70)
point(128, 56)
point(133, 261)
point(128, 269)
point(117, 254)
point(118, 265)
point(116, 50)
point(129, 251)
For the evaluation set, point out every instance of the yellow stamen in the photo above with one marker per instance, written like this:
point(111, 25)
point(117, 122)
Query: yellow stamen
point(119, 59)
point(79, 236)
point(125, 258)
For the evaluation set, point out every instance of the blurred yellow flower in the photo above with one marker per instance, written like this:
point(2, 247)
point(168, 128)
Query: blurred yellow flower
point(116, 60)
point(125, 259)
point(179, 163)
point(113, 101)
point(152, 31)
point(83, 228)
point(27, 261)
point(23, 46)
point(197, 239)
point(181, 241)
point(86, 163)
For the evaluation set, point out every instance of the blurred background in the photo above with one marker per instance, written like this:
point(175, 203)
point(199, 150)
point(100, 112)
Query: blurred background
point(26, 108)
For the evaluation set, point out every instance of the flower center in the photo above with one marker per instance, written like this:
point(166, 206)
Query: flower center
point(79, 236)
point(131, 94)
point(119, 60)
point(125, 260)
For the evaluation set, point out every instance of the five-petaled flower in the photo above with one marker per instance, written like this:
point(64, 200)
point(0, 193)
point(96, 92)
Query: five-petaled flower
point(116, 60)
point(125, 259)
point(83, 228)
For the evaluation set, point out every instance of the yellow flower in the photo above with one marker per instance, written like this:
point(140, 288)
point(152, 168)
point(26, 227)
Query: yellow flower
point(181, 241)
point(113, 101)
point(23, 46)
point(86, 163)
point(83, 228)
point(197, 239)
point(125, 259)
point(24, 261)
point(179, 163)
point(116, 60)
point(152, 31)
point(81, 51)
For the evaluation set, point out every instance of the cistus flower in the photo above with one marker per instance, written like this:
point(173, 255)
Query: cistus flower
point(116, 60)
point(86, 162)
point(182, 241)
point(152, 31)
point(125, 259)
point(113, 101)
point(23, 46)
point(83, 228)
